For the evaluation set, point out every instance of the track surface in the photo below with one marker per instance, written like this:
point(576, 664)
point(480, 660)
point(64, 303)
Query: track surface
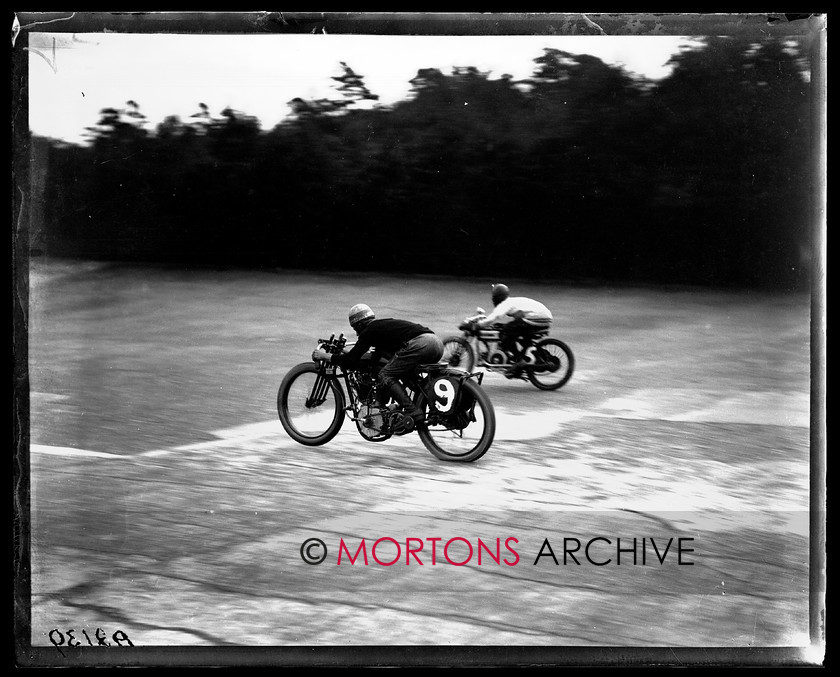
point(167, 502)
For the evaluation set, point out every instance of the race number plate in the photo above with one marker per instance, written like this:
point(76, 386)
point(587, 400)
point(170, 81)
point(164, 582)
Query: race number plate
point(443, 393)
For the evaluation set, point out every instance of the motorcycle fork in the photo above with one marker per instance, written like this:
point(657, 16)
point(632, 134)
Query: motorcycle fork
point(319, 390)
point(354, 408)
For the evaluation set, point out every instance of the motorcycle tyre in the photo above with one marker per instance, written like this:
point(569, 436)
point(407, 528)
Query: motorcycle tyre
point(489, 416)
point(465, 351)
point(282, 407)
point(570, 358)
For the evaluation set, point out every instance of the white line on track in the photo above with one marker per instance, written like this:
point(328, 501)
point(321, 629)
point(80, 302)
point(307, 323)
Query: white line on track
point(789, 409)
point(70, 451)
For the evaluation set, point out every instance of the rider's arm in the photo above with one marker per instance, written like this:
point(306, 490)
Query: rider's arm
point(498, 313)
point(355, 353)
point(351, 356)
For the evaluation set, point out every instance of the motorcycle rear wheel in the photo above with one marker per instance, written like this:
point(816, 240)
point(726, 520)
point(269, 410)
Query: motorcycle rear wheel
point(457, 353)
point(312, 426)
point(462, 445)
point(553, 366)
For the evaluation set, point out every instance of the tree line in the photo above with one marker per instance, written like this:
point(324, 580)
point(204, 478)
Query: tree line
point(582, 171)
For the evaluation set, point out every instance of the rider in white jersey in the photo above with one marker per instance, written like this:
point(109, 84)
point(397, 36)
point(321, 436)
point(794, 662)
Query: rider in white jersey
point(520, 307)
point(525, 317)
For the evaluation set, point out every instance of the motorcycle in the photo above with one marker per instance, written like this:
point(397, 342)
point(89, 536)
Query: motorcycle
point(458, 423)
point(546, 362)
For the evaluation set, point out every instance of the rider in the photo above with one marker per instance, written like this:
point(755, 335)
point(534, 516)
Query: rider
point(408, 343)
point(527, 317)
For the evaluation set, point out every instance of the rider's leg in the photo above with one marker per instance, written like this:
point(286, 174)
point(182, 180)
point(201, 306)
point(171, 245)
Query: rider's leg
point(398, 392)
point(507, 340)
point(423, 349)
point(387, 388)
point(528, 330)
point(510, 336)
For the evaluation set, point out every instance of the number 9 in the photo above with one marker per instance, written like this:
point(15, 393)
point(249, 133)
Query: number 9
point(446, 395)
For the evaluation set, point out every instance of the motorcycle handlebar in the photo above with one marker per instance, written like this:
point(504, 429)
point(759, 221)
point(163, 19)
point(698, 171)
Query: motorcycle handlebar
point(469, 323)
point(332, 345)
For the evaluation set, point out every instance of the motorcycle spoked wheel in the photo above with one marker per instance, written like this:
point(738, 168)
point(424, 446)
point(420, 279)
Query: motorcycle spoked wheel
point(461, 445)
point(458, 354)
point(553, 366)
point(312, 426)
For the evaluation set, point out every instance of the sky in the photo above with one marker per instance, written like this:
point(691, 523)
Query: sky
point(74, 76)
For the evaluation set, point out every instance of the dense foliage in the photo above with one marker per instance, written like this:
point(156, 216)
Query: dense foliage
point(580, 172)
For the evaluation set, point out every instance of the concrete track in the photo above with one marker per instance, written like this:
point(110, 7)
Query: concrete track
point(168, 504)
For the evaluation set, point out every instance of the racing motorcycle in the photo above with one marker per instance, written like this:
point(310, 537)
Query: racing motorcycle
point(548, 362)
point(314, 399)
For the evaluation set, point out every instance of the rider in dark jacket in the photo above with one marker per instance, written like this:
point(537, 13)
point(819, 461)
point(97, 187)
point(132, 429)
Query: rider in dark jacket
point(407, 344)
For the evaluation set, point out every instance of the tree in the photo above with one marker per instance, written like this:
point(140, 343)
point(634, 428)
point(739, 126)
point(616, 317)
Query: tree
point(351, 87)
point(731, 126)
point(119, 125)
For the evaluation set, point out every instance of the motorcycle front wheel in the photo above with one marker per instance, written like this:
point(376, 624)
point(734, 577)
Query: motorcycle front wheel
point(310, 422)
point(465, 444)
point(457, 353)
point(553, 364)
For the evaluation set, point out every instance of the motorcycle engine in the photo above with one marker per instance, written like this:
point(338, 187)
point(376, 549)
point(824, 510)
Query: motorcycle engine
point(496, 356)
point(366, 387)
point(372, 418)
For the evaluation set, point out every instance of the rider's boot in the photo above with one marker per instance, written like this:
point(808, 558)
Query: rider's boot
point(519, 359)
point(515, 363)
point(517, 366)
point(404, 402)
